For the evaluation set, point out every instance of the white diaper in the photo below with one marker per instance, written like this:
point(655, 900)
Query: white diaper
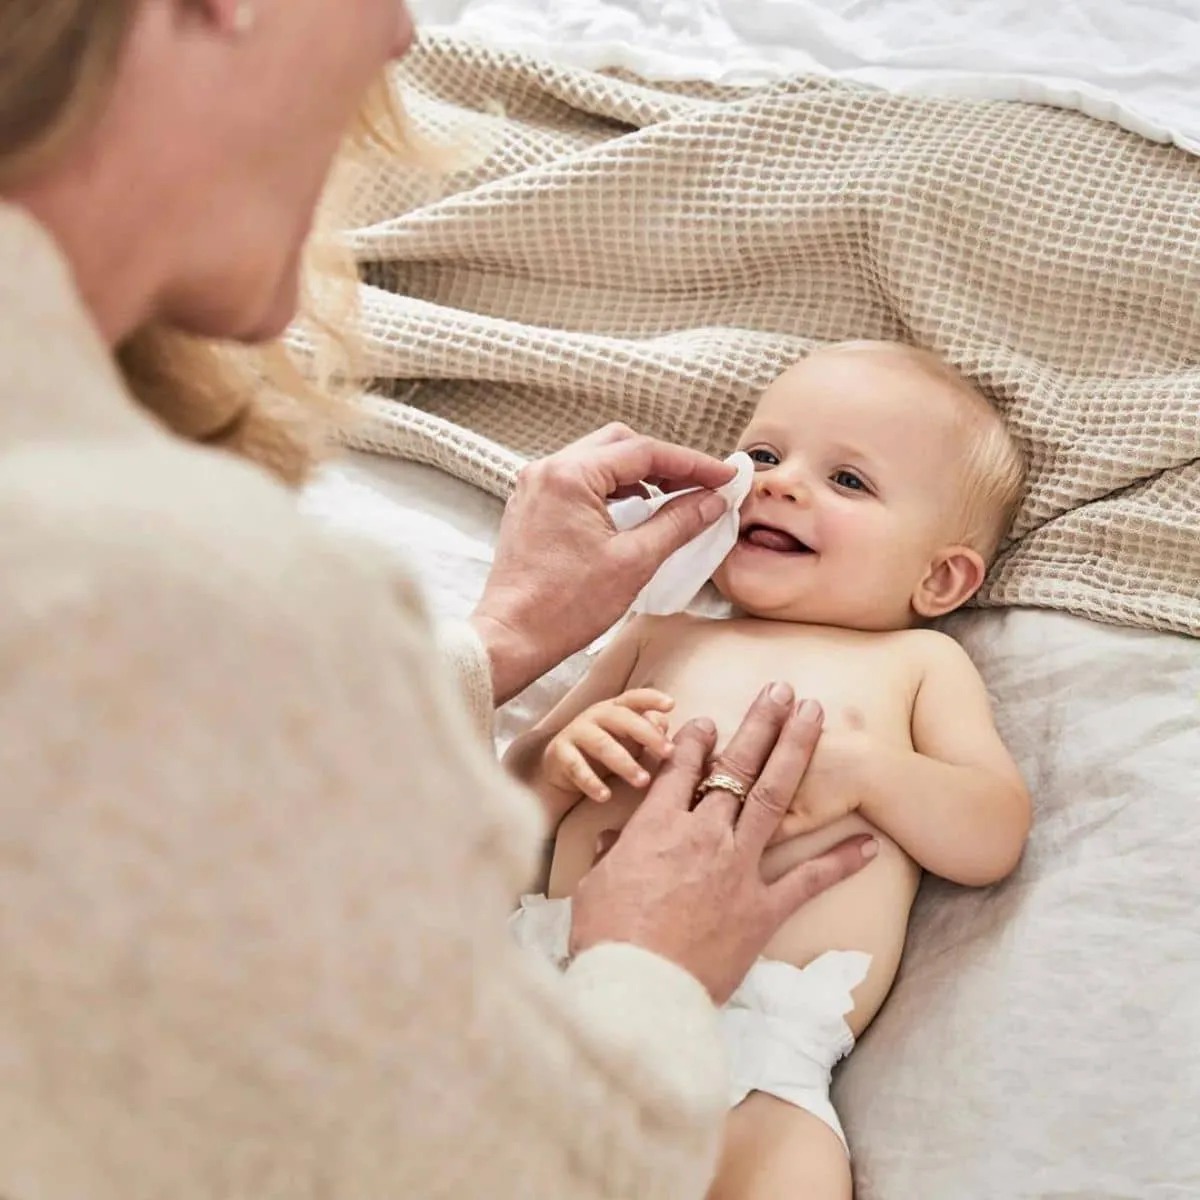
point(784, 1029)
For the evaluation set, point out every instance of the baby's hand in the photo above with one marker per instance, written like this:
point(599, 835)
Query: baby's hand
point(602, 738)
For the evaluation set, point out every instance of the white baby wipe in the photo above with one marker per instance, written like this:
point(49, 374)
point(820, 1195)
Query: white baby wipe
point(676, 583)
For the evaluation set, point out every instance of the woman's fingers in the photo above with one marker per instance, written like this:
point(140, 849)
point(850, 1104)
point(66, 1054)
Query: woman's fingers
point(675, 785)
point(809, 879)
point(779, 779)
point(647, 546)
point(629, 460)
point(748, 750)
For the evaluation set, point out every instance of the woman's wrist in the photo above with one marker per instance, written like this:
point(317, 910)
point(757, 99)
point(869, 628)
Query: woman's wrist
point(509, 654)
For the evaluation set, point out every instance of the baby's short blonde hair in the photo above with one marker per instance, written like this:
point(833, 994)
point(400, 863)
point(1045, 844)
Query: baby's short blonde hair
point(994, 469)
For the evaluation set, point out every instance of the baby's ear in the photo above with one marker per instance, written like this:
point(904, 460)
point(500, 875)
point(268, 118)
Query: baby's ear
point(954, 576)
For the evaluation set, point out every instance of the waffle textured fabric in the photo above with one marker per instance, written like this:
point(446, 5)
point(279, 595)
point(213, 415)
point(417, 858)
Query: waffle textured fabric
point(608, 250)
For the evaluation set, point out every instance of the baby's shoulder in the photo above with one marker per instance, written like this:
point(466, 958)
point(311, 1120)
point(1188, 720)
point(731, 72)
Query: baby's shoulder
point(928, 650)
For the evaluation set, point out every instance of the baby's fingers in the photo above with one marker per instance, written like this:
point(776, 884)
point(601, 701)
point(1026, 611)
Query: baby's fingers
point(571, 762)
point(659, 720)
point(642, 731)
point(644, 700)
point(601, 747)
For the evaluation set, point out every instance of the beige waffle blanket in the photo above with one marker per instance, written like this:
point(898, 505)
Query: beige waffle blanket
point(616, 251)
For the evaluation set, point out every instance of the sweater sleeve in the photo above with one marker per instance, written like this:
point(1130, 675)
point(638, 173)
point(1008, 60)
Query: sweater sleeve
point(467, 659)
point(255, 875)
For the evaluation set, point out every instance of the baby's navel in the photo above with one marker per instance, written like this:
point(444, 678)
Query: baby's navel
point(854, 717)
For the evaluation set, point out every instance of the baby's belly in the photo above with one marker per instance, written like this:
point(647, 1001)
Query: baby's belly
point(869, 911)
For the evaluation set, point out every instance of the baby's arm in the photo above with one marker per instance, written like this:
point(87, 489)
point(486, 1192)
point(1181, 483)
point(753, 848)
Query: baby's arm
point(956, 803)
point(608, 677)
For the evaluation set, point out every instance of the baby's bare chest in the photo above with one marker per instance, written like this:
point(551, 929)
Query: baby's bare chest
point(714, 669)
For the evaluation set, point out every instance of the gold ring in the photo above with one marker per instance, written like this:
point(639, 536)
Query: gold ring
point(718, 781)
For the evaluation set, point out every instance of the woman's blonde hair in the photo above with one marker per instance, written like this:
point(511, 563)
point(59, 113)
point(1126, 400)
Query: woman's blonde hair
point(57, 62)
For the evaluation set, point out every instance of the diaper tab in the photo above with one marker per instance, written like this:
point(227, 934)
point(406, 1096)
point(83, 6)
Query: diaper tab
point(785, 1029)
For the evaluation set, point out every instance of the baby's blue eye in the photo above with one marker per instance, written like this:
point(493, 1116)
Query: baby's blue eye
point(850, 481)
point(764, 457)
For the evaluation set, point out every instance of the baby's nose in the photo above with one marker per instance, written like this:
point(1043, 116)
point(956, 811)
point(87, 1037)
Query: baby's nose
point(777, 486)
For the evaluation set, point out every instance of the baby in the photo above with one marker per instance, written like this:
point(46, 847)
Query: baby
point(884, 484)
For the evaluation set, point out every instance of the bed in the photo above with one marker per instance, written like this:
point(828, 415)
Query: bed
point(1042, 1038)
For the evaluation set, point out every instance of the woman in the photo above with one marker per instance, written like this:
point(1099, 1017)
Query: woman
point(254, 863)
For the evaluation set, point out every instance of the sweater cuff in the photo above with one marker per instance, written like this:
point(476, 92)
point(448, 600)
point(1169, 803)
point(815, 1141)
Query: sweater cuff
point(466, 656)
point(664, 1025)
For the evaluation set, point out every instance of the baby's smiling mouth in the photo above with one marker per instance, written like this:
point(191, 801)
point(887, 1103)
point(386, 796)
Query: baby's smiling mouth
point(767, 537)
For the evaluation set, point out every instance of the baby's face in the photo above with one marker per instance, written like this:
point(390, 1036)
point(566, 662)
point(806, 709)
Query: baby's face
point(855, 493)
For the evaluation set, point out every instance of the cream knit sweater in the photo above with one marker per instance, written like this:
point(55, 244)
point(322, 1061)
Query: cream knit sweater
point(255, 865)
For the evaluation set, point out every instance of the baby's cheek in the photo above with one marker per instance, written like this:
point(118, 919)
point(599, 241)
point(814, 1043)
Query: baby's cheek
point(720, 579)
point(865, 529)
point(739, 586)
point(840, 524)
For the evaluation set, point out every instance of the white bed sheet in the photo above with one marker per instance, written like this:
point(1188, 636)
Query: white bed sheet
point(445, 529)
point(1133, 62)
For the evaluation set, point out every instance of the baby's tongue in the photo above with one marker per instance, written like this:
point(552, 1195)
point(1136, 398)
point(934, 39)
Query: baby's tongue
point(772, 539)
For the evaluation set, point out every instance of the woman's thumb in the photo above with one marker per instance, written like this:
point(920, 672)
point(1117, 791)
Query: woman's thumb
point(675, 524)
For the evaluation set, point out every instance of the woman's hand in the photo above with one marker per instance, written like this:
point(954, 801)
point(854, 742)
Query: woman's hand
point(685, 882)
point(562, 573)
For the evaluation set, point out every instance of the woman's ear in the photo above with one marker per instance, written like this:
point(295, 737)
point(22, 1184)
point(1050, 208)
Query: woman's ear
point(954, 576)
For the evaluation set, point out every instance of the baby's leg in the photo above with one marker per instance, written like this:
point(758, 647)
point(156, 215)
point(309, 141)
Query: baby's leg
point(775, 1151)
